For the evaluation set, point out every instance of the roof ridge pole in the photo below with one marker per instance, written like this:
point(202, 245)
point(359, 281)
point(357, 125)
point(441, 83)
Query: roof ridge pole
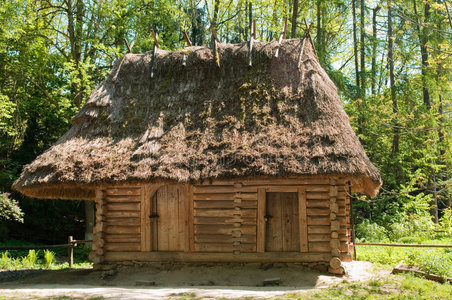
point(215, 43)
point(187, 40)
point(129, 47)
point(282, 36)
point(306, 35)
point(154, 52)
point(250, 53)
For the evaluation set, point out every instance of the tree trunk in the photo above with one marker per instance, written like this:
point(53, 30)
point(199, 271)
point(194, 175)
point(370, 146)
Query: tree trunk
point(395, 141)
point(250, 16)
point(363, 52)
point(320, 33)
point(294, 18)
point(374, 49)
point(422, 33)
point(357, 73)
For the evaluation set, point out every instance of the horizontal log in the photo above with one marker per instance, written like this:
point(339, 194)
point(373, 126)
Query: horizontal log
point(123, 221)
point(246, 213)
point(318, 211)
point(224, 220)
point(323, 195)
point(124, 191)
point(320, 247)
point(318, 203)
point(224, 239)
point(319, 237)
point(224, 204)
point(319, 229)
point(218, 257)
point(122, 214)
point(122, 229)
point(122, 238)
point(226, 196)
point(122, 199)
point(224, 229)
point(413, 269)
point(274, 181)
point(319, 220)
point(224, 248)
point(246, 196)
point(218, 189)
point(122, 247)
point(123, 206)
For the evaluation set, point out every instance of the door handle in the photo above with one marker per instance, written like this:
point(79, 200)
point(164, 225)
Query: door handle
point(267, 217)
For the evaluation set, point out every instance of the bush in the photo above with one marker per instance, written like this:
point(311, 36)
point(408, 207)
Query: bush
point(9, 209)
point(370, 232)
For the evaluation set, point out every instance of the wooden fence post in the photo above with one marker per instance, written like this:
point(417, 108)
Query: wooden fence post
point(70, 251)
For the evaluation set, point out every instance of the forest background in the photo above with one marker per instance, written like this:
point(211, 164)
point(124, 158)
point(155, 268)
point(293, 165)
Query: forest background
point(391, 61)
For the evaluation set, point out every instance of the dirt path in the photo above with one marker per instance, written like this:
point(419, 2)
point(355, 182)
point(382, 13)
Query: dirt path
point(163, 281)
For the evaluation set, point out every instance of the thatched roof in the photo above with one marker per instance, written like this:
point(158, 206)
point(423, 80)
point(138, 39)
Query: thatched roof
point(200, 121)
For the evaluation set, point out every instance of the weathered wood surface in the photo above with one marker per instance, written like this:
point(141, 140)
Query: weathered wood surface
point(171, 210)
point(283, 230)
point(122, 219)
point(303, 220)
point(223, 229)
point(224, 204)
point(218, 257)
point(225, 220)
point(222, 247)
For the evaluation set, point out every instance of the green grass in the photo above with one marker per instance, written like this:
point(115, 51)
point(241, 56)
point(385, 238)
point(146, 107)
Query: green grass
point(433, 260)
point(36, 260)
point(393, 287)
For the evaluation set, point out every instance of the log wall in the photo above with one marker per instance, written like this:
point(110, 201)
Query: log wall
point(122, 219)
point(225, 218)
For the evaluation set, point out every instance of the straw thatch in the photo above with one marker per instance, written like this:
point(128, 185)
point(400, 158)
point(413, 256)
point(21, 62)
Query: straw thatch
point(205, 120)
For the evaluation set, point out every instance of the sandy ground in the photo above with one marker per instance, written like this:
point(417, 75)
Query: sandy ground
point(164, 281)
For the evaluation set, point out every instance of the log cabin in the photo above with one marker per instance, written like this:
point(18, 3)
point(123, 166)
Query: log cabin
point(198, 155)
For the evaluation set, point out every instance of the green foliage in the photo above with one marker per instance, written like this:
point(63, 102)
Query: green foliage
point(9, 209)
point(436, 261)
point(29, 261)
point(371, 232)
point(394, 287)
point(49, 257)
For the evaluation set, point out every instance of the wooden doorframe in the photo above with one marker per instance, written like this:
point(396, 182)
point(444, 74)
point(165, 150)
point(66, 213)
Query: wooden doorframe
point(261, 212)
point(147, 192)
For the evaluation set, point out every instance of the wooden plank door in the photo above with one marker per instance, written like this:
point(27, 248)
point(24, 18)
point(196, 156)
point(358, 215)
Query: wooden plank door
point(168, 217)
point(283, 230)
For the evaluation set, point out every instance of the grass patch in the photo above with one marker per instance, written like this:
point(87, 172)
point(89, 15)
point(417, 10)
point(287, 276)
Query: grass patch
point(36, 260)
point(433, 260)
point(54, 259)
point(393, 287)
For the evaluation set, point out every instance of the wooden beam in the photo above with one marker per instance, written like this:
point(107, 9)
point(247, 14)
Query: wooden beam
point(218, 257)
point(303, 220)
point(145, 221)
point(214, 34)
point(285, 28)
point(187, 39)
point(191, 219)
point(154, 35)
point(261, 200)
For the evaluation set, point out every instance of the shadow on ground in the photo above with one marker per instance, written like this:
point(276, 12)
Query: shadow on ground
point(164, 280)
